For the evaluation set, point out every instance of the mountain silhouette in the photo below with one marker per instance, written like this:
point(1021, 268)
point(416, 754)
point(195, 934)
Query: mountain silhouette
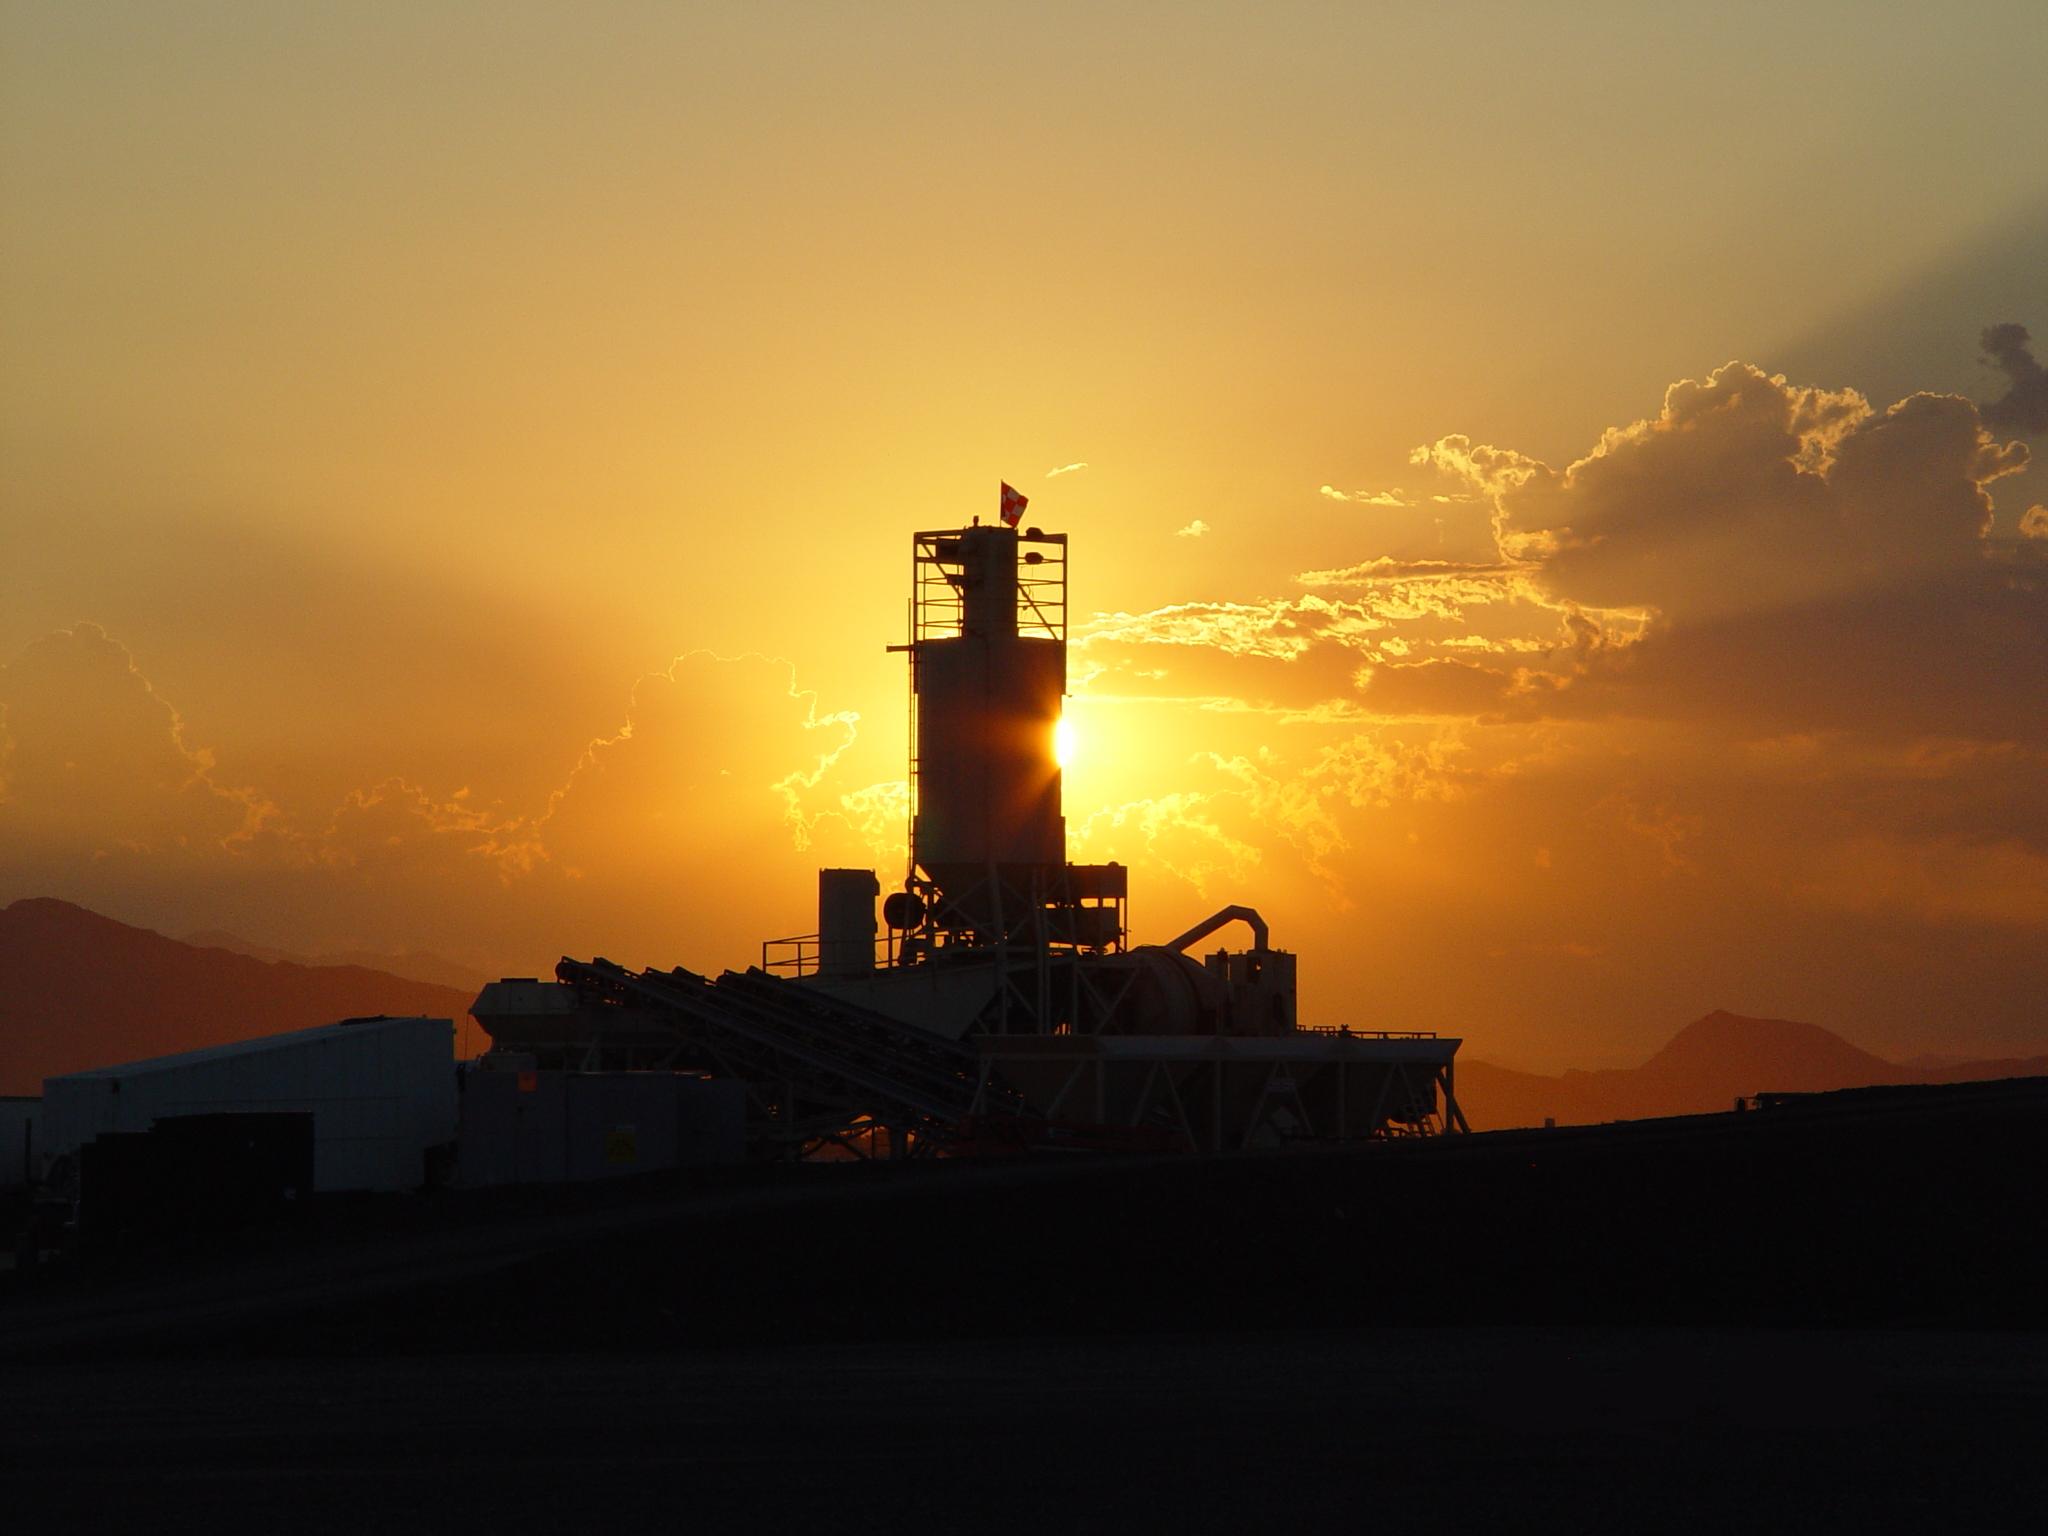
point(78, 990)
point(409, 964)
point(1705, 1067)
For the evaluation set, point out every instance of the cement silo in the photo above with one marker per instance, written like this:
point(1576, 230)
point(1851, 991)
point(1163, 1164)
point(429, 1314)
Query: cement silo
point(988, 671)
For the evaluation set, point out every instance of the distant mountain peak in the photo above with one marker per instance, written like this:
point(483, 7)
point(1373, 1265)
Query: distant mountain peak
point(1789, 1051)
point(29, 906)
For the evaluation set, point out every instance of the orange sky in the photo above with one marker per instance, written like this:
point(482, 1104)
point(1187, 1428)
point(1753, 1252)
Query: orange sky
point(457, 467)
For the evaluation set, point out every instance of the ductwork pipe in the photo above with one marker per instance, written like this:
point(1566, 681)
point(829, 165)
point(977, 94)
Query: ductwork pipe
point(1223, 919)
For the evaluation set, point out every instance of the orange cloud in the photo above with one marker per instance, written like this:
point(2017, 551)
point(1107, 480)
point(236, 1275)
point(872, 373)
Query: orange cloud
point(95, 759)
point(721, 764)
point(1392, 498)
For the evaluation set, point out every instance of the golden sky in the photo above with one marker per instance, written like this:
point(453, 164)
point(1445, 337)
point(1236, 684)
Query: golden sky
point(457, 465)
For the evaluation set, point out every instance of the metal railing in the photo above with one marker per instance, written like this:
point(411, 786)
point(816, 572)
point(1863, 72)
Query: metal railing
point(802, 954)
point(938, 608)
point(1365, 1034)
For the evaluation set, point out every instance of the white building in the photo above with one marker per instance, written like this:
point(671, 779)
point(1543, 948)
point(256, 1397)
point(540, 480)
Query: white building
point(381, 1093)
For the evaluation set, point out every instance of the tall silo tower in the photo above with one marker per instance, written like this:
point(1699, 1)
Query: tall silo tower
point(988, 674)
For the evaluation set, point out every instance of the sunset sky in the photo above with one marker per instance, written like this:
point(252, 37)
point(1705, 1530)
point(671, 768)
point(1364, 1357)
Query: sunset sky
point(1551, 510)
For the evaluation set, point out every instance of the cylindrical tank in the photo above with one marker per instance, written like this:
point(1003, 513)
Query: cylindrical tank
point(988, 703)
point(846, 921)
point(1170, 995)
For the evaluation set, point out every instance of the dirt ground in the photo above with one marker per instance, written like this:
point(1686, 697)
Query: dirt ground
point(1569, 1429)
point(1834, 1318)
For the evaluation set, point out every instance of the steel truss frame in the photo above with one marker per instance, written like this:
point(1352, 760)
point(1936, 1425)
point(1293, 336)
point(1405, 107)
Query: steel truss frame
point(1225, 1094)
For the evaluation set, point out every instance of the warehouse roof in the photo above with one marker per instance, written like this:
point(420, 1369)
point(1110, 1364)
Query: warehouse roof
point(346, 1028)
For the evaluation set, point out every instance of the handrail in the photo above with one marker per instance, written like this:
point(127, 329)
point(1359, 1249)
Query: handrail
point(1365, 1034)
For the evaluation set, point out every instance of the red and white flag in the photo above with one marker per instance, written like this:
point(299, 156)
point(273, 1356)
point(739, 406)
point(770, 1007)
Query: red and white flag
point(1014, 503)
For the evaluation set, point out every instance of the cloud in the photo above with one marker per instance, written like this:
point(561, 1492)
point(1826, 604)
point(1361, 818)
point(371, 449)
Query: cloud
point(1277, 630)
point(397, 829)
point(1385, 568)
point(1193, 530)
point(1746, 699)
point(1747, 491)
point(1782, 553)
point(880, 815)
point(1293, 818)
point(98, 763)
point(1453, 689)
point(716, 752)
point(1664, 830)
point(1065, 469)
point(723, 787)
point(1392, 498)
point(2023, 407)
point(1396, 639)
point(1177, 834)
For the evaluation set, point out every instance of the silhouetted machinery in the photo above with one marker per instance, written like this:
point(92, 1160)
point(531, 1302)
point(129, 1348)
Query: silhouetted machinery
point(1000, 1006)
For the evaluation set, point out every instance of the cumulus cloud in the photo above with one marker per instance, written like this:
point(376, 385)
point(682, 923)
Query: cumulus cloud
point(1757, 550)
point(2034, 523)
point(1065, 469)
point(1796, 554)
point(1193, 530)
point(1746, 491)
point(2024, 406)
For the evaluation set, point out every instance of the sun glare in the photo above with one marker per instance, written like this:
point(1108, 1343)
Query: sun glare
point(1063, 743)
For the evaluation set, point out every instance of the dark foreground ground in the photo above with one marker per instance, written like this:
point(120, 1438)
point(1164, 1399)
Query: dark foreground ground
point(1425, 1429)
point(1833, 1315)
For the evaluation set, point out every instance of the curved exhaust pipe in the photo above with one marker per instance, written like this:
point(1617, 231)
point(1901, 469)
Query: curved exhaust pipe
point(1223, 919)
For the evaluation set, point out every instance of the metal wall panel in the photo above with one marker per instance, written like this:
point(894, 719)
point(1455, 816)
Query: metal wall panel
point(571, 1127)
point(382, 1092)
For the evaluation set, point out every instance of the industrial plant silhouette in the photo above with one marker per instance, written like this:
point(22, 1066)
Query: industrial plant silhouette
point(1004, 1007)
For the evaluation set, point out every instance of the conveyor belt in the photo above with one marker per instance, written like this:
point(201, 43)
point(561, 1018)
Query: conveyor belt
point(779, 1033)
